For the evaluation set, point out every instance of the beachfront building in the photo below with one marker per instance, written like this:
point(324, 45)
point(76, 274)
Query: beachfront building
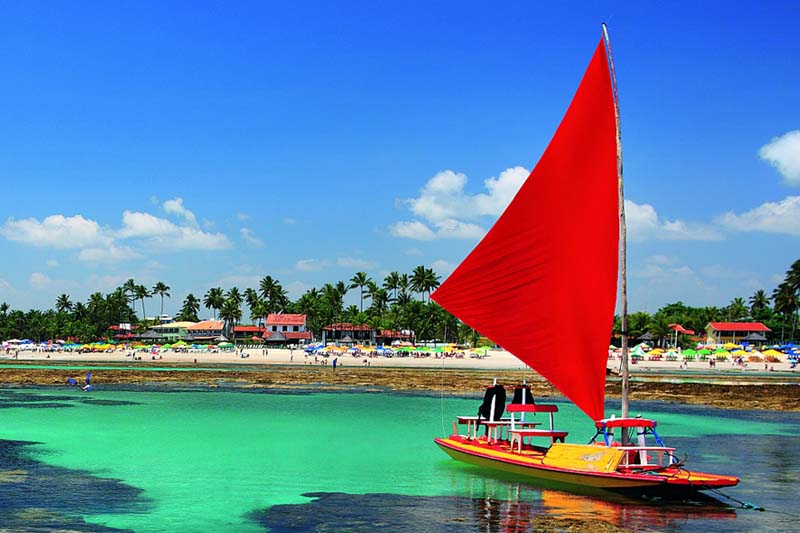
point(172, 331)
point(735, 332)
point(286, 328)
point(386, 337)
point(247, 333)
point(122, 332)
point(205, 331)
point(347, 333)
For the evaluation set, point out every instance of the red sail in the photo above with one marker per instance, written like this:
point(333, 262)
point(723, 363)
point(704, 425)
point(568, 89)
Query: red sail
point(543, 282)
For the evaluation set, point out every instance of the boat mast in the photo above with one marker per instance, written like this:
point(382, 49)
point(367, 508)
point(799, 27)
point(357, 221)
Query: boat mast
point(622, 237)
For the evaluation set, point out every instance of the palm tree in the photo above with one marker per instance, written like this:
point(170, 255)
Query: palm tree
point(392, 283)
point(787, 302)
point(360, 280)
point(737, 310)
point(141, 293)
point(432, 281)
point(333, 298)
point(191, 306)
point(162, 290)
point(380, 299)
point(63, 304)
point(759, 301)
point(254, 303)
point(129, 288)
point(231, 312)
point(793, 275)
point(214, 299)
point(234, 295)
point(418, 279)
point(424, 280)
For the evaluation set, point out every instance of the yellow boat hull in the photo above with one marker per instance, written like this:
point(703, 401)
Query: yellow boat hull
point(585, 466)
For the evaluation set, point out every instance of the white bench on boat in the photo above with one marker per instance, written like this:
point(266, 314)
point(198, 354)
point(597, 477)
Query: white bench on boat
point(518, 432)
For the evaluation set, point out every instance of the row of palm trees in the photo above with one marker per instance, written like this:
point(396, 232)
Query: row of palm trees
point(398, 301)
point(782, 317)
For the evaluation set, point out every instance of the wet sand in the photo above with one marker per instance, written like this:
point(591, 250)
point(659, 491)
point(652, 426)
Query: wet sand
point(767, 391)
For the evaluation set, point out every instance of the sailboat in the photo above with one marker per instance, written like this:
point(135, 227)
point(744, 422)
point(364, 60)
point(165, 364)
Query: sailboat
point(551, 263)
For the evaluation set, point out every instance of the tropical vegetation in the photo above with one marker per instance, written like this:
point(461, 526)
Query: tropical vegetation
point(400, 301)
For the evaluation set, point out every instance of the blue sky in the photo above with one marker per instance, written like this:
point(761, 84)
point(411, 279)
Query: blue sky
point(209, 144)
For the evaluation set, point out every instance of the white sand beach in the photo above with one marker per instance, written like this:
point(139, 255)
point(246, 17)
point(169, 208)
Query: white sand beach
point(494, 360)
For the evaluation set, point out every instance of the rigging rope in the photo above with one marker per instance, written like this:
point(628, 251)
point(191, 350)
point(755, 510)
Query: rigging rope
point(444, 433)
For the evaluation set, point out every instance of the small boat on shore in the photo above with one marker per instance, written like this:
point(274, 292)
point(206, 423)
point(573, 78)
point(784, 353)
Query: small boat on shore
point(551, 261)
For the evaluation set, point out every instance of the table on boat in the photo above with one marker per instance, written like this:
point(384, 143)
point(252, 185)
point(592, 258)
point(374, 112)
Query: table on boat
point(496, 427)
point(472, 425)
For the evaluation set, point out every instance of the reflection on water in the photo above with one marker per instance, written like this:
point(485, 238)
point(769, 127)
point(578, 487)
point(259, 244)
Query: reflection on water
point(503, 508)
point(556, 510)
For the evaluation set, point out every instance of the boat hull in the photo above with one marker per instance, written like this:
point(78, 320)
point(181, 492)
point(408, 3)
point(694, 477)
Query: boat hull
point(669, 482)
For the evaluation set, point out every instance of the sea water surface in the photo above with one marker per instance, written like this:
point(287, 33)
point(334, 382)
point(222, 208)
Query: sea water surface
point(242, 460)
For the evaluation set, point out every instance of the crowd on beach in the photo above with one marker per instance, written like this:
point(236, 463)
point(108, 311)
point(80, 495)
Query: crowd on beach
point(450, 356)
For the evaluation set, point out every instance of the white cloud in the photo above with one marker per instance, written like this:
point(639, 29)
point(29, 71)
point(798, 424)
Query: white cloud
point(165, 235)
point(783, 153)
point(412, 230)
point(413, 252)
point(770, 217)
point(443, 197)
point(135, 224)
point(445, 207)
point(644, 224)
point(56, 231)
point(309, 265)
point(289, 221)
point(250, 238)
point(456, 229)
point(52, 263)
point(352, 262)
point(443, 268)
point(108, 254)
point(175, 207)
point(5, 286)
point(39, 281)
point(501, 191)
point(662, 268)
point(195, 239)
point(242, 217)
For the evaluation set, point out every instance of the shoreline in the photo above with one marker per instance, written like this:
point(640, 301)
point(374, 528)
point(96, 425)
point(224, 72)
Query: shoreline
point(724, 387)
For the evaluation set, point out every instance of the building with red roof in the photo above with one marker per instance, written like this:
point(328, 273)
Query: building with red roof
point(347, 333)
point(286, 327)
point(722, 332)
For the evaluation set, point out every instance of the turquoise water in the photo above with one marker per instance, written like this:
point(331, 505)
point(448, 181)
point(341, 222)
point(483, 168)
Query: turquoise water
point(246, 461)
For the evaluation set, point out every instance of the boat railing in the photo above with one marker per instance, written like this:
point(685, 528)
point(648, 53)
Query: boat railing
point(645, 457)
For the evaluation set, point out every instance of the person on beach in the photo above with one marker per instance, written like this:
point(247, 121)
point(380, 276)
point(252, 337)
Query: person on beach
point(335, 360)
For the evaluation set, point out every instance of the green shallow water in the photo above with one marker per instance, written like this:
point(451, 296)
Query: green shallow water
point(218, 460)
